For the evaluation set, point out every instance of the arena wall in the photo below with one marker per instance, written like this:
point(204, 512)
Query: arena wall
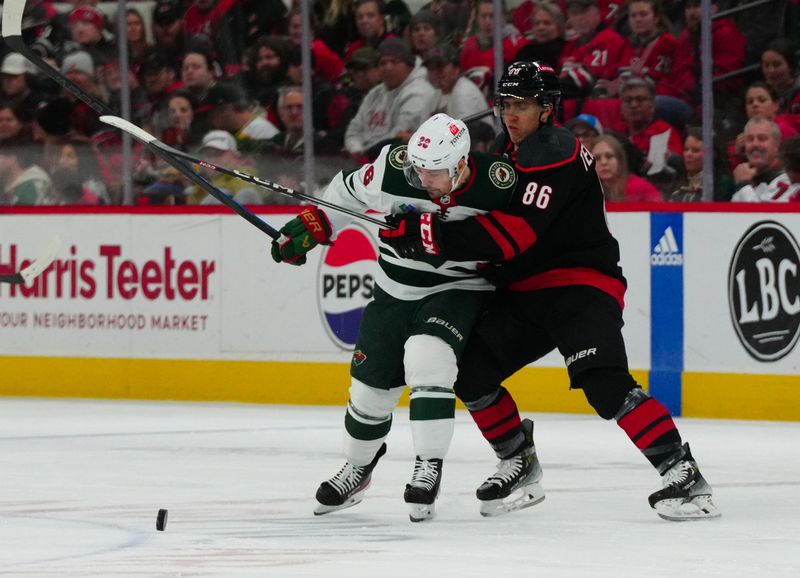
point(147, 304)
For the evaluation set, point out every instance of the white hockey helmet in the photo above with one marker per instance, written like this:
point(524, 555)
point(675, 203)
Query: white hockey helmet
point(439, 143)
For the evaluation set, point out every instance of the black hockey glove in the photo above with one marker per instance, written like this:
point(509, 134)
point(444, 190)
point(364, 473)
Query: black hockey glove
point(414, 236)
point(490, 272)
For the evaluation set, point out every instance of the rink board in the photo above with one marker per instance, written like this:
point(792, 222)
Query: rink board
point(149, 305)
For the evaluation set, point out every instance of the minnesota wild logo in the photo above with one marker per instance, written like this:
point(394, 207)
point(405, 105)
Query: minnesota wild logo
point(397, 157)
point(502, 175)
point(359, 357)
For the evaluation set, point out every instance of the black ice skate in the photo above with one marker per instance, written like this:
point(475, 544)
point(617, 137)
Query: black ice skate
point(421, 492)
point(515, 485)
point(686, 495)
point(346, 488)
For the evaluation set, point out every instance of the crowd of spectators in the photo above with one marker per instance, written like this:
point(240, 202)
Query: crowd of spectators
point(223, 80)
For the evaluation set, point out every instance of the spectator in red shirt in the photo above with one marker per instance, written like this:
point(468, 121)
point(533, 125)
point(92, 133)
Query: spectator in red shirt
point(663, 160)
point(478, 50)
point(371, 26)
point(653, 58)
point(612, 169)
point(524, 14)
point(594, 54)
point(216, 20)
point(610, 12)
point(728, 47)
point(638, 114)
point(326, 61)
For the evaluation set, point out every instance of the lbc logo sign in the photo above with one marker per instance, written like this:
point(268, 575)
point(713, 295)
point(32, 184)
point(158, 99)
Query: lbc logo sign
point(764, 291)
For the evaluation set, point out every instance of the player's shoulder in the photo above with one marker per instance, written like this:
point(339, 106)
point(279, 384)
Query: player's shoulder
point(550, 147)
point(485, 160)
point(394, 156)
point(494, 170)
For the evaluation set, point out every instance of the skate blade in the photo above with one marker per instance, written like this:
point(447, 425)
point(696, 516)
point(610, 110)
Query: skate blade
point(524, 497)
point(693, 509)
point(349, 503)
point(421, 512)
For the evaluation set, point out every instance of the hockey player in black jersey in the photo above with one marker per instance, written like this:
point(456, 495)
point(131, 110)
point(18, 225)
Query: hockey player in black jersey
point(560, 286)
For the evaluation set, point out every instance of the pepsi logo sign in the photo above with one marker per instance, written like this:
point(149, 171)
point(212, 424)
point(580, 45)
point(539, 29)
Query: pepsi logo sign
point(345, 284)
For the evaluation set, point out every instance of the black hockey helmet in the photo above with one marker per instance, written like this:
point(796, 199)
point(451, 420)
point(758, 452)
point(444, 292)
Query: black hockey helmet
point(535, 79)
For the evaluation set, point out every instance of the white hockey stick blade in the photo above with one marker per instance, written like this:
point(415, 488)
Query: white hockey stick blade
point(124, 125)
point(12, 18)
point(42, 262)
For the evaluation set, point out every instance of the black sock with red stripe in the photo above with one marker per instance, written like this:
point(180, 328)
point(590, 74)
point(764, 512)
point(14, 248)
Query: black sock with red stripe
point(649, 425)
point(497, 417)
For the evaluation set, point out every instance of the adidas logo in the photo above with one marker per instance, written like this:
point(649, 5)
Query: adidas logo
point(666, 252)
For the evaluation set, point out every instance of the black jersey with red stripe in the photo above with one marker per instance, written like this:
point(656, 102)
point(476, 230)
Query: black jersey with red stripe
point(554, 232)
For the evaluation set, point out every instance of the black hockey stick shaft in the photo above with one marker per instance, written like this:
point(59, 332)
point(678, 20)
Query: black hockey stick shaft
point(478, 115)
point(258, 181)
point(15, 279)
point(12, 20)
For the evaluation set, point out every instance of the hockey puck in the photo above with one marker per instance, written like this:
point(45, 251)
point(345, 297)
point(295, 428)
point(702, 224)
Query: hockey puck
point(161, 520)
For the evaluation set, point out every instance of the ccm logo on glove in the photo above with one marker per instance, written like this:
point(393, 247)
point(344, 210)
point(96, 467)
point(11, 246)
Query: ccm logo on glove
point(426, 232)
point(414, 235)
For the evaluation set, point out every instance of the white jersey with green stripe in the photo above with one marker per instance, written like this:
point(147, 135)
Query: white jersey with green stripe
point(382, 186)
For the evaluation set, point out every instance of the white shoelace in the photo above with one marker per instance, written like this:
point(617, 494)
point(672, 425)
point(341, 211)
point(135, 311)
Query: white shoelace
point(507, 470)
point(348, 478)
point(425, 474)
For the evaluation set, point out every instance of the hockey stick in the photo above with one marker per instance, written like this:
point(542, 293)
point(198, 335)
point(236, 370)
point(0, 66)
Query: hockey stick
point(144, 136)
point(42, 262)
point(478, 115)
point(12, 34)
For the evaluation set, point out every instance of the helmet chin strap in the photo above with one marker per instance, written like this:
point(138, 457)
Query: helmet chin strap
point(454, 182)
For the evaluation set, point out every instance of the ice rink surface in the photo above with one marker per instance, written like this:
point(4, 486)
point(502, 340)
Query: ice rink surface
point(81, 482)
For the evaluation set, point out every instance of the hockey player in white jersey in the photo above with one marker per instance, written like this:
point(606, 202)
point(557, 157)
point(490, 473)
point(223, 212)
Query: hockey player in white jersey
point(415, 328)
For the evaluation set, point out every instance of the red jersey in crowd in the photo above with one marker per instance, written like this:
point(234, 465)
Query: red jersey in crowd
point(326, 61)
point(639, 190)
point(474, 55)
point(195, 21)
point(728, 47)
point(641, 139)
point(360, 42)
point(654, 58)
point(588, 59)
point(523, 14)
